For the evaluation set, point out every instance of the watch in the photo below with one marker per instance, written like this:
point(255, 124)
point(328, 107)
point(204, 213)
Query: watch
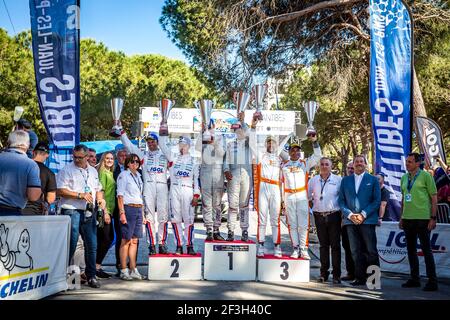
point(433, 218)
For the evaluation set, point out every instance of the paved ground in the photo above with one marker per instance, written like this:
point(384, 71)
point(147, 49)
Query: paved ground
point(115, 288)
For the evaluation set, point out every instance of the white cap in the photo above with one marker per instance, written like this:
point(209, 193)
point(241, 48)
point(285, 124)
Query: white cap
point(185, 140)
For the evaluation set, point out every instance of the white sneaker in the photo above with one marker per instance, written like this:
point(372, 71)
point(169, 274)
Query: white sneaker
point(125, 275)
point(304, 254)
point(277, 252)
point(260, 252)
point(136, 275)
point(295, 253)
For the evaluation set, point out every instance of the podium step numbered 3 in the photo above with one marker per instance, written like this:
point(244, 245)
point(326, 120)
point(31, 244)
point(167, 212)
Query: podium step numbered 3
point(271, 268)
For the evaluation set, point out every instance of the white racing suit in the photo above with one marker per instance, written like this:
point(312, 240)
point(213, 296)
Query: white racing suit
point(184, 178)
point(238, 161)
point(156, 192)
point(268, 190)
point(211, 181)
point(295, 184)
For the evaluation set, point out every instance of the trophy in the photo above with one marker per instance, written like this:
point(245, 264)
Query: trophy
point(165, 105)
point(205, 107)
point(241, 100)
point(116, 109)
point(310, 109)
point(259, 93)
point(18, 111)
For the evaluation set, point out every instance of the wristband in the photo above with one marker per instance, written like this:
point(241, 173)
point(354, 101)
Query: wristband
point(433, 218)
point(78, 195)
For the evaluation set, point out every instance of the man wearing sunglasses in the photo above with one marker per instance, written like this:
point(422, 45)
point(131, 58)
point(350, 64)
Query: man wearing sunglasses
point(79, 189)
point(156, 191)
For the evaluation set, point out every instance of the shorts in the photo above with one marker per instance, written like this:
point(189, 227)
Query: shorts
point(133, 227)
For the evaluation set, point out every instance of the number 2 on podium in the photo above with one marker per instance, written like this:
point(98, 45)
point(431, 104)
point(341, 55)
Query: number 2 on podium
point(175, 273)
point(230, 260)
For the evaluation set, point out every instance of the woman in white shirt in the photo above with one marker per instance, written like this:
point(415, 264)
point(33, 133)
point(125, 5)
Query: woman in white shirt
point(130, 202)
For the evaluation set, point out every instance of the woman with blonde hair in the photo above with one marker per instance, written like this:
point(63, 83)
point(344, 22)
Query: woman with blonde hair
point(105, 230)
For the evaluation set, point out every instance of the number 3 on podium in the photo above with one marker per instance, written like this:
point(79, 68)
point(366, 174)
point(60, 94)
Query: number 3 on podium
point(285, 274)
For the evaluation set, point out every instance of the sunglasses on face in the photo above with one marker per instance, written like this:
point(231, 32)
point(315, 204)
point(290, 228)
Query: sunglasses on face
point(135, 161)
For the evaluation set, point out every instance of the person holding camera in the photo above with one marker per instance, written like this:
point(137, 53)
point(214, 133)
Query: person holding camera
point(80, 189)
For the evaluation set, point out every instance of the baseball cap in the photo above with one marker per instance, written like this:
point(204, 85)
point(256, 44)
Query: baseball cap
point(271, 138)
point(24, 123)
point(41, 146)
point(294, 144)
point(152, 136)
point(185, 140)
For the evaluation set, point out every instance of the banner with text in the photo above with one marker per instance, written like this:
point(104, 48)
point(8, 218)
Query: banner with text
point(430, 140)
point(34, 256)
point(390, 91)
point(56, 42)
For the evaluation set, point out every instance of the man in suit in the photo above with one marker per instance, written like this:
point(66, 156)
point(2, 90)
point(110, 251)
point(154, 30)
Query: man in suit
point(359, 199)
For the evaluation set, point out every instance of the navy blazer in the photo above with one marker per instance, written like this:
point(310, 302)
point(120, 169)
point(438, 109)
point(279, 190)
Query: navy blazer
point(369, 197)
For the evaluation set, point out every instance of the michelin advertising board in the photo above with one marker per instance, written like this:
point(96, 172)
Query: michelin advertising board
point(33, 256)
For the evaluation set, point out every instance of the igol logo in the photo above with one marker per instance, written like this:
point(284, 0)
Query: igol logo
point(396, 246)
point(183, 173)
point(155, 169)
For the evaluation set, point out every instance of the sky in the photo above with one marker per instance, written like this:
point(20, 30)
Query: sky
point(131, 26)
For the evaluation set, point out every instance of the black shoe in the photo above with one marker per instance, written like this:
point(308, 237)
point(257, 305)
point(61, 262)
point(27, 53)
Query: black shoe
point(83, 278)
point(191, 251)
point(244, 236)
point(430, 286)
point(163, 249)
point(209, 236)
point(179, 250)
point(348, 278)
point(411, 284)
point(102, 274)
point(152, 250)
point(336, 280)
point(230, 236)
point(322, 279)
point(93, 283)
point(218, 237)
point(358, 283)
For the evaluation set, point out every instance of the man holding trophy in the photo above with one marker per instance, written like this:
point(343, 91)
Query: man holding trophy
point(211, 174)
point(184, 185)
point(238, 171)
point(267, 179)
point(154, 172)
point(295, 183)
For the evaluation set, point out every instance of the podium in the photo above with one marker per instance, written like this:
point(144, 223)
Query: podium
point(230, 260)
point(175, 267)
point(286, 269)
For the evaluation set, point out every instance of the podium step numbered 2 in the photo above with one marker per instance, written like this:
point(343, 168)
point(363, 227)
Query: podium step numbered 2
point(175, 267)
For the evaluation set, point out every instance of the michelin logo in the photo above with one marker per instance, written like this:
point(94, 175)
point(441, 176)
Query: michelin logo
point(15, 263)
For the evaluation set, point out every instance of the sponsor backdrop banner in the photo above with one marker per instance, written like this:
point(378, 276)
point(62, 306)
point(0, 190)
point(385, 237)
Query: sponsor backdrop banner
point(56, 42)
point(390, 90)
point(391, 243)
point(34, 256)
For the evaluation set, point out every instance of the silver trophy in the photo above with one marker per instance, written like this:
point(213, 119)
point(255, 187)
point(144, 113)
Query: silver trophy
point(165, 105)
point(205, 108)
point(311, 108)
point(116, 109)
point(259, 93)
point(241, 100)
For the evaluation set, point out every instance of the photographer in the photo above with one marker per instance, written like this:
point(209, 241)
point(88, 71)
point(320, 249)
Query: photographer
point(79, 189)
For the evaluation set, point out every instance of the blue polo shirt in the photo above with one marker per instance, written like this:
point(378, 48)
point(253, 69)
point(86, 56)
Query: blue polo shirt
point(17, 173)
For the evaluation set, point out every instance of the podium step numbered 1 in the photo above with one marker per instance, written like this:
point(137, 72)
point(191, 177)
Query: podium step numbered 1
point(271, 268)
point(230, 260)
point(175, 267)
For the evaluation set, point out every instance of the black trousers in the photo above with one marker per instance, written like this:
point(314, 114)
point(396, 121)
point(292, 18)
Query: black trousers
point(105, 237)
point(360, 237)
point(118, 235)
point(419, 229)
point(349, 263)
point(329, 234)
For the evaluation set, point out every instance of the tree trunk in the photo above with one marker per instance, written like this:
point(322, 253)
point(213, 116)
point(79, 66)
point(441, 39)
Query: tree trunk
point(418, 106)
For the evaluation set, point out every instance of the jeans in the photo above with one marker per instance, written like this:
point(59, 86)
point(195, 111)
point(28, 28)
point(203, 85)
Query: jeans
point(419, 229)
point(360, 237)
point(87, 228)
point(329, 234)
